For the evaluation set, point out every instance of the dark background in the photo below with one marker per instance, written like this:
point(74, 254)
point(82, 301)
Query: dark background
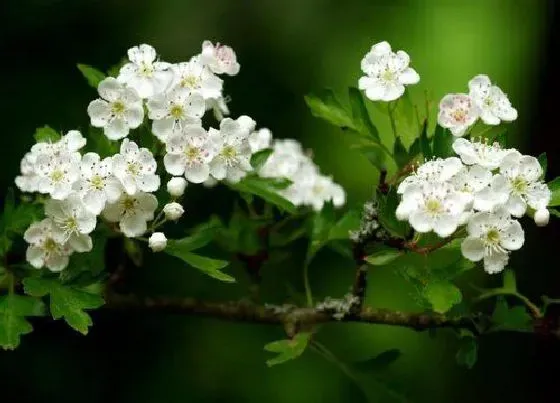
point(286, 49)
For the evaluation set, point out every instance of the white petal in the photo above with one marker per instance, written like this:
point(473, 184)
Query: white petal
point(110, 89)
point(489, 118)
point(116, 129)
point(113, 189)
point(445, 225)
point(174, 164)
point(163, 128)
point(133, 225)
point(148, 183)
point(218, 168)
point(530, 168)
point(134, 116)
point(99, 112)
point(94, 201)
point(479, 86)
point(513, 237)
point(508, 114)
point(57, 263)
point(495, 262)
point(409, 76)
point(393, 92)
point(420, 221)
point(473, 249)
point(129, 184)
point(147, 204)
point(35, 256)
point(81, 243)
point(197, 173)
point(516, 206)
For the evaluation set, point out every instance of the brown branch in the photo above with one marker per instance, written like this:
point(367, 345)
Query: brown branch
point(243, 311)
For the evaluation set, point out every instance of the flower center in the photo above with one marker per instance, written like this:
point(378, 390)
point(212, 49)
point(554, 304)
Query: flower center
point(146, 70)
point(97, 182)
point(133, 168)
point(493, 237)
point(519, 185)
point(388, 75)
point(459, 115)
point(190, 82)
point(192, 153)
point(176, 112)
point(50, 245)
point(70, 225)
point(229, 152)
point(488, 102)
point(118, 108)
point(434, 206)
point(128, 204)
point(57, 175)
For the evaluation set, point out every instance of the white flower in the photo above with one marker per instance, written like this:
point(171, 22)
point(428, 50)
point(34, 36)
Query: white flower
point(196, 77)
point(437, 170)
point(480, 152)
point(519, 179)
point(135, 168)
point(471, 180)
point(98, 185)
point(219, 58)
point(493, 104)
point(57, 174)
point(386, 73)
point(285, 160)
point(173, 109)
point(260, 139)
point(173, 211)
point(490, 237)
point(119, 109)
point(146, 75)
point(233, 153)
point(176, 186)
point(541, 217)
point(322, 189)
point(28, 181)
point(219, 107)
point(432, 206)
point(457, 112)
point(157, 241)
point(132, 212)
point(73, 221)
point(46, 246)
point(189, 153)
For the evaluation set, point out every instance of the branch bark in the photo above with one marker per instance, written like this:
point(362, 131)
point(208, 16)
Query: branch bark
point(241, 311)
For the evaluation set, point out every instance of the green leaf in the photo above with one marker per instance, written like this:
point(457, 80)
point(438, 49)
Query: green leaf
point(288, 349)
point(510, 284)
point(424, 142)
point(46, 134)
point(405, 120)
point(468, 352)
point(380, 362)
point(266, 189)
point(360, 114)
point(15, 219)
point(505, 318)
point(383, 256)
point(325, 106)
point(442, 142)
point(442, 295)
point(543, 160)
point(400, 154)
point(114, 71)
point(348, 222)
point(321, 224)
point(554, 186)
point(91, 74)
point(501, 138)
point(259, 158)
point(209, 266)
point(86, 268)
point(376, 155)
point(13, 310)
point(202, 234)
point(66, 302)
point(134, 251)
point(387, 207)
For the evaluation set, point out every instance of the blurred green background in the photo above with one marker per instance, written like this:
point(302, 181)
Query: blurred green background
point(286, 49)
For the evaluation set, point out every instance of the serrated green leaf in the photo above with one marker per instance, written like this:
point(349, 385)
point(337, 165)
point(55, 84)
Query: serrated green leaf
point(66, 302)
point(442, 295)
point(266, 189)
point(400, 154)
point(259, 158)
point(515, 318)
point(46, 134)
point(91, 74)
point(380, 362)
point(13, 310)
point(360, 114)
point(554, 186)
point(209, 266)
point(383, 256)
point(442, 143)
point(468, 352)
point(543, 161)
point(325, 106)
point(287, 349)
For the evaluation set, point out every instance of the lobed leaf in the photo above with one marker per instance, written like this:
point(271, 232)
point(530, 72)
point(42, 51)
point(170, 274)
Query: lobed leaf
point(13, 312)
point(288, 349)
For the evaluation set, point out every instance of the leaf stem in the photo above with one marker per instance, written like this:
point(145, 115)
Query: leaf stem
point(390, 111)
point(306, 284)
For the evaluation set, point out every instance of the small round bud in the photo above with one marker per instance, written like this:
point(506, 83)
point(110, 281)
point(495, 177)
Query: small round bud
point(176, 186)
point(157, 241)
point(541, 217)
point(173, 211)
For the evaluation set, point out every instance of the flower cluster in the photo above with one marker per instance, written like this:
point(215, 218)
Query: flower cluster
point(308, 187)
point(387, 73)
point(120, 188)
point(458, 112)
point(485, 190)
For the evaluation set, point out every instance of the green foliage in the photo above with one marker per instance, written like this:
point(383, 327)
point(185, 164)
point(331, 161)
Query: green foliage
point(442, 295)
point(554, 186)
point(46, 134)
point(91, 74)
point(380, 362)
point(325, 106)
point(442, 142)
point(360, 115)
point(66, 301)
point(468, 350)
point(387, 206)
point(259, 158)
point(514, 318)
point(13, 312)
point(86, 268)
point(400, 154)
point(404, 115)
point(266, 189)
point(15, 220)
point(383, 255)
point(543, 160)
point(287, 349)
